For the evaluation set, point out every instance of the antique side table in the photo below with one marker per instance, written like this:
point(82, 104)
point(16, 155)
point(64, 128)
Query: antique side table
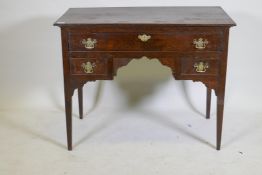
point(192, 41)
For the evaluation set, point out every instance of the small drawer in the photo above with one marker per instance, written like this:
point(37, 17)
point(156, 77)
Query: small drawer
point(199, 65)
point(91, 65)
point(177, 40)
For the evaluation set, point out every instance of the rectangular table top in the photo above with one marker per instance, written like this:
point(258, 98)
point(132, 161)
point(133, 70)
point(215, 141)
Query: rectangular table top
point(191, 16)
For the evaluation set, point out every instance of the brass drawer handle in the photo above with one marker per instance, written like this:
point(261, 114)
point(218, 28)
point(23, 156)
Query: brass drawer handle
point(201, 66)
point(144, 37)
point(89, 43)
point(200, 43)
point(88, 67)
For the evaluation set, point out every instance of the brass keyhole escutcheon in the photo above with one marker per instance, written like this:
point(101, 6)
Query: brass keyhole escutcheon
point(88, 67)
point(144, 37)
point(200, 43)
point(201, 66)
point(89, 43)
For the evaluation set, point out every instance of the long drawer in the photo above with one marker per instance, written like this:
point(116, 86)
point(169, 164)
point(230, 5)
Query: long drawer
point(181, 40)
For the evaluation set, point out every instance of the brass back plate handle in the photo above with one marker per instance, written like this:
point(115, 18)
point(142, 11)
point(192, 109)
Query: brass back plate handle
point(200, 43)
point(88, 67)
point(89, 43)
point(201, 66)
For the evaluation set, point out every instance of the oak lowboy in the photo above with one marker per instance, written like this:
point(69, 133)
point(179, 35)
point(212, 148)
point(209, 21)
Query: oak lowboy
point(192, 41)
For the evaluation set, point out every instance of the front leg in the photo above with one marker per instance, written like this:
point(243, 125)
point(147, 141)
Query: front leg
point(68, 109)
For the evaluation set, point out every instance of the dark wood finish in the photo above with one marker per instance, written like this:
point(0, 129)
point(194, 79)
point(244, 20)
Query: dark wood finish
point(100, 68)
point(220, 90)
point(188, 61)
point(208, 103)
point(199, 16)
point(179, 39)
point(172, 31)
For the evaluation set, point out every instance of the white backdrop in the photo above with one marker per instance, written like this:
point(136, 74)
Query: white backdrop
point(144, 122)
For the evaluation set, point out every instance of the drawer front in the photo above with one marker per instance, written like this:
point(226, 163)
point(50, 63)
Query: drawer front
point(199, 65)
point(146, 41)
point(90, 64)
